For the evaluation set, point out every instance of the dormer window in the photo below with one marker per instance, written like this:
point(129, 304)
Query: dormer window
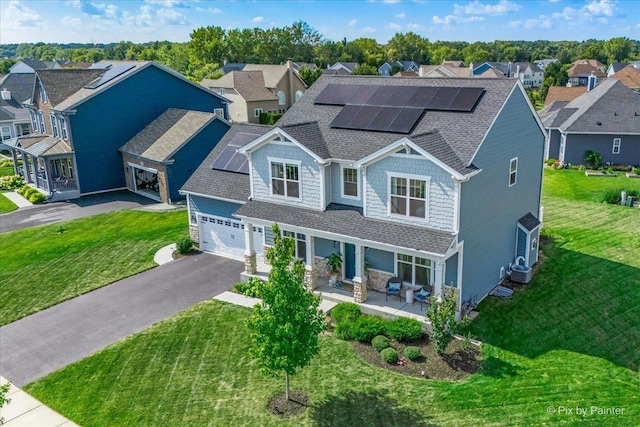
point(349, 183)
point(41, 121)
point(285, 179)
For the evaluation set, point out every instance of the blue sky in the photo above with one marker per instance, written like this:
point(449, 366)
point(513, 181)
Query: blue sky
point(104, 21)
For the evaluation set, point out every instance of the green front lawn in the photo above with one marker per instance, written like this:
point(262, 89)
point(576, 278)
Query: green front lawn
point(43, 266)
point(569, 339)
point(6, 205)
point(6, 171)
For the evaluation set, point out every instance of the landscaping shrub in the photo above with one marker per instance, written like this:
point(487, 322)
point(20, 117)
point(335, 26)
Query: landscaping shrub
point(550, 162)
point(412, 353)
point(184, 245)
point(636, 170)
point(345, 312)
point(389, 355)
point(250, 288)
point(557, 164)
point(11, 182)
point(621, 168)
point(613, 197)
point(269, 118)
point(6, 163)
point(380, 342)
point(593, 159)
point(37, 198)
point(344, 331)
point(404, 329)
point(367, 327)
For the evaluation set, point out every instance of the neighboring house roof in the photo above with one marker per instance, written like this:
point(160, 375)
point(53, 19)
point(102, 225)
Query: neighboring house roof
point(593, 62)
point(610, 107)
point(444, 71)
point(343, 220)
point(584, 70)
point(491, 73)
point(40, 145)
point(166, 135)
point(335, 72)
point(272, 74)
point(351, 66)
point(20, 85)
point(615, 67)
point(629, 76)
point(61, 84)
point(456, 64)
point(232, 66)
point(13, 111)
point(37, 64)
point(545, 61)
point(406, 74)
point(563, 93)
point(220, 184)
point(250, 85)
point(462, 132)
point(407, 65)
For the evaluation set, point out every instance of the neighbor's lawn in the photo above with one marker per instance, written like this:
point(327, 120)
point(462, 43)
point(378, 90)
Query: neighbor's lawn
point(569, 339)
point(42, 266)
point(6, 205)
point(7, 170)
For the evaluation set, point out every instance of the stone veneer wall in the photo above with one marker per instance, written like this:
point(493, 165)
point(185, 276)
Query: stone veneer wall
point(378, 279)
point(193, 233)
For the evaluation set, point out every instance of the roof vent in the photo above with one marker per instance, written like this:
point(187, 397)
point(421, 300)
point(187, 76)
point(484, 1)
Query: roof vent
point(6, 95)
point(636, 114)
point(599, 123)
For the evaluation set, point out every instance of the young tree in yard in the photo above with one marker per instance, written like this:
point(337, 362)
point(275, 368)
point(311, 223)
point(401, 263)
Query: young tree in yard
point(442, 315)
point(284, 328)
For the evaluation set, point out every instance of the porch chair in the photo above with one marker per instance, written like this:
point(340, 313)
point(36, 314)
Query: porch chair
point(422, 295)
point(394, 286)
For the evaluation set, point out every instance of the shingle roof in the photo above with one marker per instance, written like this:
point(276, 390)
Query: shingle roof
point(629, 76)
point(348, 221)
point(36, 64)
point(61, 84)
point(41, 145)
point(335, 72)
point(222, 184)
point(272, 73)
point(164, 136)
point(249, 84)
point(584, 70)
point(563, 93)
point(610, 107)
point(20, 85)
point(529, 221)
point(462, 132)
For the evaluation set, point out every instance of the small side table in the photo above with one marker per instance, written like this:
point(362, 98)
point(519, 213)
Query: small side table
point(409, 296)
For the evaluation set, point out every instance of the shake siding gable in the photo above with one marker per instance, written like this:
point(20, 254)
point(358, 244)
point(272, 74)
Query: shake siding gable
point(309, 175)
point(336, 188)
point(490, 209)
point(105, 122)
point(440, 191)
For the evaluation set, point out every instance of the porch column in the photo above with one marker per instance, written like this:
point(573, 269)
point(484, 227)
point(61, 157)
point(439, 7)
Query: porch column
point(47, 175)
point(359, 284)
point(34, 168)
point(310, 270)
point(15, 161)
point(250, 266)
point(439, 279)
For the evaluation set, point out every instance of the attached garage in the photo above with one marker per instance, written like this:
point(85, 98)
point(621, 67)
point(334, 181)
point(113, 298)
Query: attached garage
point(224, 236)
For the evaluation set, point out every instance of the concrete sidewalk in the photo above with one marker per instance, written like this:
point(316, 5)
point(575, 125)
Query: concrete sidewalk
point(20, 201)
point(26, 411)
point(238, 299)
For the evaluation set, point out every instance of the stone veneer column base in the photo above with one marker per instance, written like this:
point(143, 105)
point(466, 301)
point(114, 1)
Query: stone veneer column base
point(250, 264)
point(311, 278)
point(359, 291)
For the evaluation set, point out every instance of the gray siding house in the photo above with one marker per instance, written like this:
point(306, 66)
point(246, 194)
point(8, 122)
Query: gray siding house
point(420, 179)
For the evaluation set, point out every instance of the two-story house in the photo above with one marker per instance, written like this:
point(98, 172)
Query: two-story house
point(408, 66)
point(416, 178)
point(81, 119)
point(14, 117)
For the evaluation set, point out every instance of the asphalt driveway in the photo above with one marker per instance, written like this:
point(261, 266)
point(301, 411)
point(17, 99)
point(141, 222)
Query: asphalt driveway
point(37, 345)
point(64, 211)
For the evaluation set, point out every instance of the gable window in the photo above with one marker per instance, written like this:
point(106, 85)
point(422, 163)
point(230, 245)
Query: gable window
point(414, 270)
point(43, 95)
point(616, 145)
point(285, 179)
point(222, 91)
point(41, 121)
point(5, 132)
point(408, 197)
point(349, 182)
point(63, 128)
point(257, 112)
point(219, 112)
point(298, 94)
point(54, 125)
point(513, 171)
point(282, 98)
point(300, 244)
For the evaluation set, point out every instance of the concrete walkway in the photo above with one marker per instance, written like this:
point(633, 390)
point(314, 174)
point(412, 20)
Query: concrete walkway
point(25, 411)
point(17, 199)
point(244, 301)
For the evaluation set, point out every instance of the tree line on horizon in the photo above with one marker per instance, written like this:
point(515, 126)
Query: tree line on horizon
point(210, 47)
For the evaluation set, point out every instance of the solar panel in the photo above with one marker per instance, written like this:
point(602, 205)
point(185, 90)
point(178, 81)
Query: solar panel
point(343, 97)
point(466, 99)
point(365, 117)
point(421, 97)
point(384, 118)
point(382, 95)
point(221, 161)
point(236, 163)
point(327, 94)
point(376, 118)
point(442, 98)
point(336, 94)
point(405, 120)
point(402, 96)
point(109, 75)
point(345, 116)
point(362, 96)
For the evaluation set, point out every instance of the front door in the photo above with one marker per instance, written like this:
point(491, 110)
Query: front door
point(349, 261)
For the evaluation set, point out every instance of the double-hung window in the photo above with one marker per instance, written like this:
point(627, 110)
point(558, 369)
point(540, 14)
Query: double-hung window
point(34, 121)
point(301, 244)
point(349, 182)
point(54, 125)
point(63, 128)
point(5, 132)
point(285, 179)
point(616, 145)
point(408, 197)
point(513, 171)
point(414, 270)
point(41, 121)
point(257, 112)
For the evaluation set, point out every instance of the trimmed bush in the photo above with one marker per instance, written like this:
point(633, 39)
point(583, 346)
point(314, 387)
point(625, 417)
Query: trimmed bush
point(412, 353)
point(404, 329)
point(550, 162)
point(346, 312)
point(389, 355)
point(250, 288)
point(37, 198)
point(367, 327)
point(184, 245)
point(11, 182)
point(380, 342)
point(344, 331)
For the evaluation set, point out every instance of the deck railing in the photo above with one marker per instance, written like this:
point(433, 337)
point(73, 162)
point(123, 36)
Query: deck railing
point(42, 183)
point(65, 185)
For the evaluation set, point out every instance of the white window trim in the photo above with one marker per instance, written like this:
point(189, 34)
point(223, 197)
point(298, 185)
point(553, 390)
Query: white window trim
point(63, 129)
point(296, 239)
point(41, 125)
point(281, 100)
point(34, 121)
point(431, 267)
point(54, 125)
point(286, 162)
point(426, 179)
point(7, 134)
point(617, 142)
point(515, 181)
point(219, 112)
point(358, 186)
point(257, 112)
point(222, 91)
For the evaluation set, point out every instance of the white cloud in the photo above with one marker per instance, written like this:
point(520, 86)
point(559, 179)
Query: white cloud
point(257, 19)
point(567, 14)
point(477, 8)
point(416, 27)
point(353, 22)
point(541, 22)
point(169, 3)
point(17, 16)
point(515, 24)
point(368, 30)
point(171, 17)
point(76, 4)
point(390, 1)
point(70, 22)
point(144, 19)
point(452, 19)
point(394, 26)
point(401, 16)
point(209, 10)
point(589, 12)
point(602, 7)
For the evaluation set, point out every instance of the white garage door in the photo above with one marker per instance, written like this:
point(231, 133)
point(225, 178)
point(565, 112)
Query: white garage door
point(224, 236)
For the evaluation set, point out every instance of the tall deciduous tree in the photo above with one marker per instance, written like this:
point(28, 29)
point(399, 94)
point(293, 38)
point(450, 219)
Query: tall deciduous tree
point(309, 75)
point(408, 47)
point(284, 328)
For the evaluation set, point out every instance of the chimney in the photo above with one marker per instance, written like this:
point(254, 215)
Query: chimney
point(517, 71)
point(6, 95)
point(509, 70)
point(290, 97)
point(591, 82)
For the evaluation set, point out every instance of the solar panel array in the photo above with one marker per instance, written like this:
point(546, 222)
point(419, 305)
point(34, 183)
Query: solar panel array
point(109, 75)
point(229, 159)
point(393, 108)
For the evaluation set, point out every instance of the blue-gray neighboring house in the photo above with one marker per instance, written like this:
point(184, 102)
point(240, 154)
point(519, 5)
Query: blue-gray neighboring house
point(385, 69)
point(606, 119)
point(81, 118)
point(420, 179)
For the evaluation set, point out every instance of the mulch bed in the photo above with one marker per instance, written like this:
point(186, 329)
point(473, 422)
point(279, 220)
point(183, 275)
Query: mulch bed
point(280, 406)
point(459, 361)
